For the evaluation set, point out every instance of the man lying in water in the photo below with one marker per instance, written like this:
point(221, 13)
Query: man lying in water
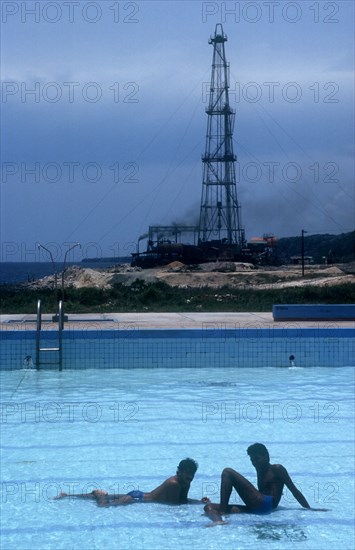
point(173, 490)
point(271, 480)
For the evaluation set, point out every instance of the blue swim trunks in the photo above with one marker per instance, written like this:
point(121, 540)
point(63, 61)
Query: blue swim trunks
point(138, 496)
point(266, 507)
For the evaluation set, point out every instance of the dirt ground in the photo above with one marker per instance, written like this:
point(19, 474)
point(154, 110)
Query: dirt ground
point(213, 275)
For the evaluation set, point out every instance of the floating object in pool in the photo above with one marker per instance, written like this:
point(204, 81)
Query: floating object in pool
point(27, 362)
point(293, 365)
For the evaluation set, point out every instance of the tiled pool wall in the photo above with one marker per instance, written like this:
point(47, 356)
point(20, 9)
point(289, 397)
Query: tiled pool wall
point(206, 347)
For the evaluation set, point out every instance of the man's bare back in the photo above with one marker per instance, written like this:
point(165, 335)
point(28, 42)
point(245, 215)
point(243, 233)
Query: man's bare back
point(173, 490)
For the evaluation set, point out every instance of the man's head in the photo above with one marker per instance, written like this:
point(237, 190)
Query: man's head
point(259, 454)
point(186, 470)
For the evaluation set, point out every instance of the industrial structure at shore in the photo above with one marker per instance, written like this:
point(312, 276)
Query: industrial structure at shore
point(220, 234)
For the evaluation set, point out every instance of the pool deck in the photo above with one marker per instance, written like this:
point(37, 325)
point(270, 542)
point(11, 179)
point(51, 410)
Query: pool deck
point(121, 321)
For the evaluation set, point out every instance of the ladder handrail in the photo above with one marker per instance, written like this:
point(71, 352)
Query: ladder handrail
point(38, 331)
point(60, 333)
point(39, 315)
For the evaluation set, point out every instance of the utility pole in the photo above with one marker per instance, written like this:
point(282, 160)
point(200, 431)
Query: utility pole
point(220, 218)
point(302, 249)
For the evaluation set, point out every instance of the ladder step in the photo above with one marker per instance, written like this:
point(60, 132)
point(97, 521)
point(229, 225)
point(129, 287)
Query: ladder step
point(49, 349)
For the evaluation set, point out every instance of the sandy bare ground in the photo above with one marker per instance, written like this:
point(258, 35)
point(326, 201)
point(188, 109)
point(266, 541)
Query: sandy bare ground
point(232, 275)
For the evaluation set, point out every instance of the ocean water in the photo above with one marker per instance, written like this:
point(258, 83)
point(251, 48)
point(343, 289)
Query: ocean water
point(21, 272)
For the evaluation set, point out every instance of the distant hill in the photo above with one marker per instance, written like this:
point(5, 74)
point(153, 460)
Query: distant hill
point(336, 248)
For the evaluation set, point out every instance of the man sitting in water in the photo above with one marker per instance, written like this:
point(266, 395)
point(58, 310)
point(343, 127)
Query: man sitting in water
point(271, 481)
point(173, 490)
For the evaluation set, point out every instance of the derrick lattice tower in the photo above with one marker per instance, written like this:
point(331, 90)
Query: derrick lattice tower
point(220, 217)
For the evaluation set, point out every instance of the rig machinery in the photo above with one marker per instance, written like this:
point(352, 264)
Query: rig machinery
point(219, 234)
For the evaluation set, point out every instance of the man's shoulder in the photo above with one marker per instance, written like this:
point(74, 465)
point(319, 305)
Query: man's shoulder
point(277, 466)
point(278, 469)
point(173, 480)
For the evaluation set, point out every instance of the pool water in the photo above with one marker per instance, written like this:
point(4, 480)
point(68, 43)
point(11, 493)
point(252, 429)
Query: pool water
point(128, 429)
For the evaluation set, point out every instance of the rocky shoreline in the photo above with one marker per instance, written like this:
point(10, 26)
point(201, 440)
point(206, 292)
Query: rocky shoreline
point(211, 275)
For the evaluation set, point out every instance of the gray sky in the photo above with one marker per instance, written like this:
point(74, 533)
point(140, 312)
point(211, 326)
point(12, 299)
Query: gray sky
point(103, 119)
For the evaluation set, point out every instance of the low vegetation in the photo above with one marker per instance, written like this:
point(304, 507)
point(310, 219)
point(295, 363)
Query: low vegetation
point(160, 297)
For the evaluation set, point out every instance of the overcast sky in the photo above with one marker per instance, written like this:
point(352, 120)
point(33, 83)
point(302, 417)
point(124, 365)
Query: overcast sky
point(103, 119)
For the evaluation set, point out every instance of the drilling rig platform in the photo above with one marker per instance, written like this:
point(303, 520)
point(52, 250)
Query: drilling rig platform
point(220, 234)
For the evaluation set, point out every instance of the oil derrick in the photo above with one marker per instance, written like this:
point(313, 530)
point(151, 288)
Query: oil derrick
point(220, 235)
point(220, 220)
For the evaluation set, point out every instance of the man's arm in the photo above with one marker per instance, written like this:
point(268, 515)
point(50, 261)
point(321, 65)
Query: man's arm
point(168, 492)
point(204, 500)
point(285, 478)
point(178, 494)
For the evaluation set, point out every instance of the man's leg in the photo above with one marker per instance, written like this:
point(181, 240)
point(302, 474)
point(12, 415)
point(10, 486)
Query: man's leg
point(213, 512)
point(246, 490)
point(114, 500)
point(94, 494)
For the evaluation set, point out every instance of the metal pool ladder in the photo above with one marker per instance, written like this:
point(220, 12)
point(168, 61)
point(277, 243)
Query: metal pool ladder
point(59, 348)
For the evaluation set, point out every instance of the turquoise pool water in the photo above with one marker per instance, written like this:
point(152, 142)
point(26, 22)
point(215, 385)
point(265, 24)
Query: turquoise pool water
point(127, 429)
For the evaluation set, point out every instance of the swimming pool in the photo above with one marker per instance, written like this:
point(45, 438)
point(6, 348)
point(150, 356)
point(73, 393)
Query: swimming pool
point(125, 429)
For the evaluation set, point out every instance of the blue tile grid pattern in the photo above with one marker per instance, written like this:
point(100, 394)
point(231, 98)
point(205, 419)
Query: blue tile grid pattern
point(186, 348)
